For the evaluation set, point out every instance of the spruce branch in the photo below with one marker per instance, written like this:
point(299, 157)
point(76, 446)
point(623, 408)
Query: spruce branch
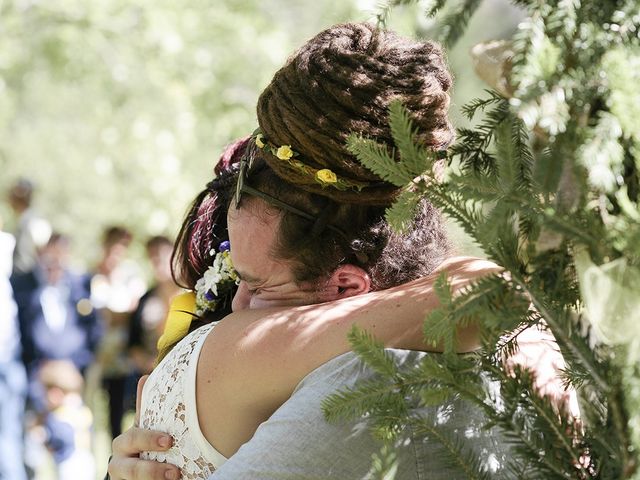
point(415, 159)
point(559, 332)
point(372, 352)
point(384, 8)
point(350, 403)
point(471, 108)
point(466, 460)
point(455, 23)
point(400, 215)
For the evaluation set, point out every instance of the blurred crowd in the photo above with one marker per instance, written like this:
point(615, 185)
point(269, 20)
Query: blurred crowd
point(66, 336)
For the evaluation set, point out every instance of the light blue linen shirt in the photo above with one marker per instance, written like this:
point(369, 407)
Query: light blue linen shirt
point(298, 443)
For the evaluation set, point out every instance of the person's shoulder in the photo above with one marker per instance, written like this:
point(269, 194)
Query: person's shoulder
point(459, 264)
point(349, 368)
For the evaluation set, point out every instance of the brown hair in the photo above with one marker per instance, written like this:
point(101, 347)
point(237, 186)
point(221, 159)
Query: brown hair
point(342, 81)
point(204, 229)
point(115, 235)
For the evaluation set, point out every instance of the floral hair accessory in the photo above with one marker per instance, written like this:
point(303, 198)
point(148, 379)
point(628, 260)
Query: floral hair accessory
point(217, 281)
point(324, 176)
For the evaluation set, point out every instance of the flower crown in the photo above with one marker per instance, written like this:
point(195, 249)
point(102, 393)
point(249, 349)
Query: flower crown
point(324, 176)
point(217, 281)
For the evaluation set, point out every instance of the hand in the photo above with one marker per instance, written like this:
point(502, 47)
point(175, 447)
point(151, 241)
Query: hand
point(539, 353)
point(125, 463)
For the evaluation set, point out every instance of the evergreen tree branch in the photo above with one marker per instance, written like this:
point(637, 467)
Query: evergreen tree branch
point(377, 158)
point(467, 461)
point(372, 352)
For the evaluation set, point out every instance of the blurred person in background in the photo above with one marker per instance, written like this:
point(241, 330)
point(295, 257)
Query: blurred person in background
point(147, 322)
point(69, 418)
point(57, 322)
point(32, 231)
point(116, 288)
point(13, 381)
point(56, 318)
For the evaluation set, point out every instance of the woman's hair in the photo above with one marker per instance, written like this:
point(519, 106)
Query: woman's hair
point(342, 81)
point(205, 225)
point(204, 229)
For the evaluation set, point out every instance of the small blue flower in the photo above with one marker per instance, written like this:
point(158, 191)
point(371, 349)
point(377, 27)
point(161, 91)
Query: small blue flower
point(224, 246)
point(209, 295)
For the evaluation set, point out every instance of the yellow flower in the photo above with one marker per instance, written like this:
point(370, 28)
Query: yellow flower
point(284, 152)
point(259, 141)
point(326, 176)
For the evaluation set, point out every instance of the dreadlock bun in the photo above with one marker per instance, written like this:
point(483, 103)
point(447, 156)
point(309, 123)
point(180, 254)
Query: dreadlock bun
point(342, 81)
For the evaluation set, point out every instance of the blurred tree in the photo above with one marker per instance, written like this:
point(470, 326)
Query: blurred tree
point(118, 110)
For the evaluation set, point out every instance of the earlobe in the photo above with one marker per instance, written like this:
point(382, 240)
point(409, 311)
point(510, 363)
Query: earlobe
point(346, 281)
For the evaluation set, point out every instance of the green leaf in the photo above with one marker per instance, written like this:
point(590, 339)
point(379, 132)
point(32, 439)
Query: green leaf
point(376, 158)
point(415, 159)
point(372, 351)
point(400, 215)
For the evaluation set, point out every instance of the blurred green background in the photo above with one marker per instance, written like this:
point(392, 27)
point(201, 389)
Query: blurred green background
point(118, 110)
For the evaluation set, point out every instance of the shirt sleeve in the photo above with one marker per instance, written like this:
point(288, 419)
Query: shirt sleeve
point(298, 443)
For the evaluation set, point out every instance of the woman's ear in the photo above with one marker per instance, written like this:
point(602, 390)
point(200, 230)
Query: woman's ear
point(346, 281)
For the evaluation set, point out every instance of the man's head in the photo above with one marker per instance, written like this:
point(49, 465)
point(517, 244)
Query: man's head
point(60, 378)
point(115, 243)
point(341, 82)
point(20, 195)
point(54, 257)
point(268, 278)
point(159, 249)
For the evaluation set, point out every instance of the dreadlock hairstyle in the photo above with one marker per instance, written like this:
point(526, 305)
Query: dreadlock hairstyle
point(342, 81)
point(204, 229)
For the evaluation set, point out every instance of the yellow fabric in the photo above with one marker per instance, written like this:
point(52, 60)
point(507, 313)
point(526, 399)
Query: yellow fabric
point(181, 313)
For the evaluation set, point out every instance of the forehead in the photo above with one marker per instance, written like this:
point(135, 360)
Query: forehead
point(252, 233)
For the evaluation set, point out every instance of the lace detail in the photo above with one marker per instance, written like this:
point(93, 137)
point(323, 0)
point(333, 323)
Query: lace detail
point(168, 405)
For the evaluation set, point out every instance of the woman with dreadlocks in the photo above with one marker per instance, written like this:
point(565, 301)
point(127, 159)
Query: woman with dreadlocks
point(293, 219)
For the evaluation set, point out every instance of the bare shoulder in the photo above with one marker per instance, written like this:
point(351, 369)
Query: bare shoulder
point(247, 345)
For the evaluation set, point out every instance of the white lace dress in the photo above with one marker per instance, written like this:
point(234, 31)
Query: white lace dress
point(169, 405)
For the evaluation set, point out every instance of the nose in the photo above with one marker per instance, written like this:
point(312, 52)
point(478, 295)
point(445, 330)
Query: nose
point(241, 299)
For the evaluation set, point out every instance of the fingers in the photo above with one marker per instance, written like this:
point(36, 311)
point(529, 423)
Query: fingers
point(141, 383)
point(136, 440)
point(135, 469)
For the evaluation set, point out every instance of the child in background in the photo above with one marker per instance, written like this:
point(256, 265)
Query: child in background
point(68, 420)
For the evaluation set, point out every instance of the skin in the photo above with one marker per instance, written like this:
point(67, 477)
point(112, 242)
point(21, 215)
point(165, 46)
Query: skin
point(272, 348)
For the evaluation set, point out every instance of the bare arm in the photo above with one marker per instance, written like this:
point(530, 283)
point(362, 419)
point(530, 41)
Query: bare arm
point(254, 359)
point(272, 350)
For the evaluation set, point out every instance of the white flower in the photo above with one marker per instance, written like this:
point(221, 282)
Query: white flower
point(216, 281)
point(212, 277)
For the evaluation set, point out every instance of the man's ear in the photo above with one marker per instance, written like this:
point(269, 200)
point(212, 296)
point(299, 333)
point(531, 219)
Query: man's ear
point(346, 281)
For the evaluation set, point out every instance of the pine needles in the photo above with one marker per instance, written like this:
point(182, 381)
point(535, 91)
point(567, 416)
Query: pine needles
point(544, 175)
